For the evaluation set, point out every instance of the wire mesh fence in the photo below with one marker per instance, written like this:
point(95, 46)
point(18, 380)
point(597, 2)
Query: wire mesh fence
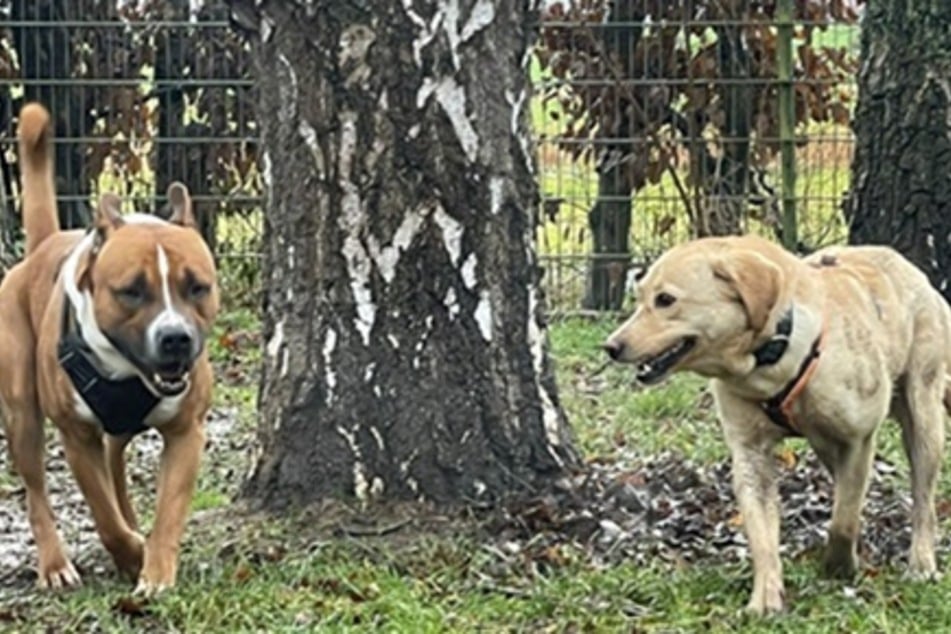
point(659, 121)
point(142, 94)
point(655, 120)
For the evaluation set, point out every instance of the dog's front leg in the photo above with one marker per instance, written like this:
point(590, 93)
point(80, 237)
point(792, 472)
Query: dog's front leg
point(751, 438)
point(85, 453)
point(115, 454)
point(755, 487)
point(178, 472)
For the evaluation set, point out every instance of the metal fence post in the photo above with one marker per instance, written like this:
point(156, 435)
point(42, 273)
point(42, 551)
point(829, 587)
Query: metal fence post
point(787, 123)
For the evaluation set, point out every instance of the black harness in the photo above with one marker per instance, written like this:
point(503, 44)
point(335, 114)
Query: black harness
point(771, 352)
point(120, 405)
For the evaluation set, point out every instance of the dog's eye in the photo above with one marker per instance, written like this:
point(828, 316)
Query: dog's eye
point(198, 291)
point(664, 300)
point(131, 296)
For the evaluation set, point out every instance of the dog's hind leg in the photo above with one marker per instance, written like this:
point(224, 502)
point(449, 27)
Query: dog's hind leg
point(24, 428)
point(850, 464)
point(918, 410)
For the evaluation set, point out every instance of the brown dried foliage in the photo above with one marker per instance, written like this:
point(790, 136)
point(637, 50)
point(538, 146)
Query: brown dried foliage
point(649, 80)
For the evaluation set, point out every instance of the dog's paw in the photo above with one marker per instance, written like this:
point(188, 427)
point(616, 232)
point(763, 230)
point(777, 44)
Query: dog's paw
point(840, 560)
point(148, 589)
point(766, 600)
point(127, 553)
point(158, 572)
point(922, 571)
point(922, 565)
point(766, 605)
point(58, 575)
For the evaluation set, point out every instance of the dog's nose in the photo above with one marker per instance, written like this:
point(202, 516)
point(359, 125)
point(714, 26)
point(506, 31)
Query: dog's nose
point(614, 348)
point(175, 344)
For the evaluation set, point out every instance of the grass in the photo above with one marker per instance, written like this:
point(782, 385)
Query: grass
point(242, 572)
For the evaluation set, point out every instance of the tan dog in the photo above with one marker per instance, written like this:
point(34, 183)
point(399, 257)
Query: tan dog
point(824, 347)
point(104, 330)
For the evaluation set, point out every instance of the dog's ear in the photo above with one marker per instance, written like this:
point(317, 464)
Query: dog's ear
point(108, 216)
point(181, 203)
point(755, 279)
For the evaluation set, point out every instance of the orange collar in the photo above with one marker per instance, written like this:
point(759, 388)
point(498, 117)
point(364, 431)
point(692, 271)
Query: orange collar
point(779, 407)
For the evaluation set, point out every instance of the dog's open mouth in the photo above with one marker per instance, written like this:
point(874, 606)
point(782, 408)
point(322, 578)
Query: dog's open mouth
point(653, 369)
point(170, 383)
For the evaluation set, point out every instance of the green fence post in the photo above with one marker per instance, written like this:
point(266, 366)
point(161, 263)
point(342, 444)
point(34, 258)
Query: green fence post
point(787, 123)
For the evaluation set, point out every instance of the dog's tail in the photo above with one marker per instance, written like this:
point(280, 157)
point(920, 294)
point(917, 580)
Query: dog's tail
point(38, 190)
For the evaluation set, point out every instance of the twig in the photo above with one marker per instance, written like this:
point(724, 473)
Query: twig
point(374, 531)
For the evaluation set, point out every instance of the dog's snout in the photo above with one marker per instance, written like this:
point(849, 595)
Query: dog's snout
point(614, 348)
point(175, 344)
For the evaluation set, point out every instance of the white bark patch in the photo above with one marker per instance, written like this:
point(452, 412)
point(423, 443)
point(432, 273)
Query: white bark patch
point(427, 32)
point(452, 303)
point(361, 486)
point(550, 418)
point(267, 174)
point(480, 17)
point(309, 135)
point(276, 341)
point(518, 131)
point(352, 221)
point(378, 437)
point(452, 98)
point(267, 28)
point(468, 271)
point(496, 194)
point(483, 315)
point(452, 231)
point(381, 136)
point(355, 42)
point(480, 487)
point(288, 91)
point(387, 258)
point(330, 376)
point(291, 265)
point(451, 27)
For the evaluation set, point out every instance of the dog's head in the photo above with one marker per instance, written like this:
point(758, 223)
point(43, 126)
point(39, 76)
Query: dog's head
point(700, 307)
point(150, 292)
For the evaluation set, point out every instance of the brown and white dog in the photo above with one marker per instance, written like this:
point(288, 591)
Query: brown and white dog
point(824, 347)
point(103, 333)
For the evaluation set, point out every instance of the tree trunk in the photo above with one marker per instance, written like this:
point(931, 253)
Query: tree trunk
point(610, 224)
point(901, 193)
point(727, 199)
point(406, 347)
point(610, 217)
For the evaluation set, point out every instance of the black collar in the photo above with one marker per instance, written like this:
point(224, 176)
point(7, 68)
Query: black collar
point(120, 405)
point(773, 350)
point(777, 407)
